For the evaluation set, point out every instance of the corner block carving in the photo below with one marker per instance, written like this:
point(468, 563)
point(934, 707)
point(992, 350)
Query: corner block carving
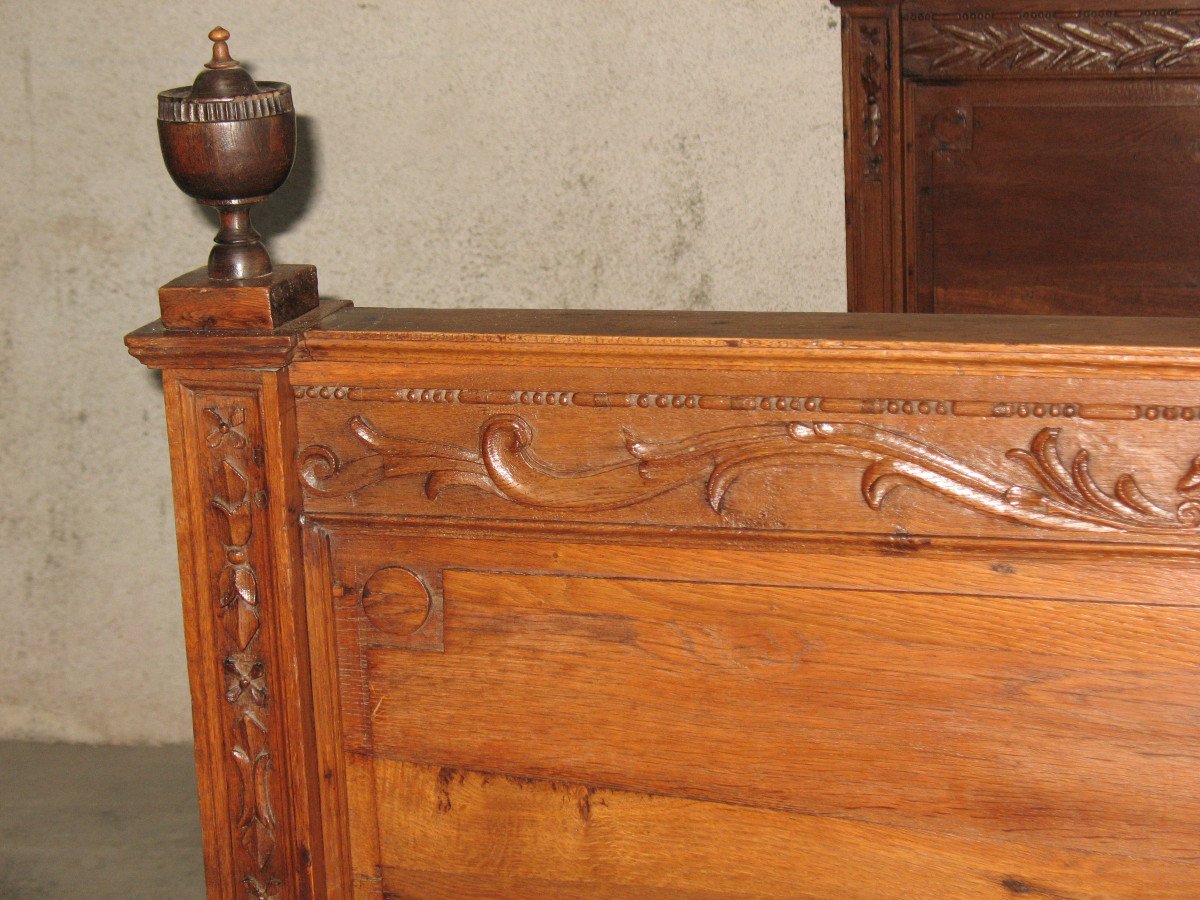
point(1062, 496)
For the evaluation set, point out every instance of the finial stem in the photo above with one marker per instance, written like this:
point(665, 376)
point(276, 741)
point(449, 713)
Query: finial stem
point(237, 251)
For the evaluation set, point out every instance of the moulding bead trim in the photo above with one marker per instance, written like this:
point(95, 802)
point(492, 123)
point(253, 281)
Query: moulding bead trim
point(926, 406)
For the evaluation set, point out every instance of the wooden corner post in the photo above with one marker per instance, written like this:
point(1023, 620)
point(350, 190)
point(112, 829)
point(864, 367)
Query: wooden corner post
point(231, 427)
point(237, 521)
point(226, 336)
point(872, 109)
point(231, 431)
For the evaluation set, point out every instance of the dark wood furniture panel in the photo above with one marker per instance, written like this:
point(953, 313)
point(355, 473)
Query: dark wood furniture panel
point(1022, 158)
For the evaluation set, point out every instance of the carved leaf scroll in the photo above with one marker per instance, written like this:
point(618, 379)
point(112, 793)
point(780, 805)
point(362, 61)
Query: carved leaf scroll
point(1063, 496)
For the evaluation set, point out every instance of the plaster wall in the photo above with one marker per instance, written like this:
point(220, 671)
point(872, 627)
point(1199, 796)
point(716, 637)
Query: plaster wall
point(680, 154)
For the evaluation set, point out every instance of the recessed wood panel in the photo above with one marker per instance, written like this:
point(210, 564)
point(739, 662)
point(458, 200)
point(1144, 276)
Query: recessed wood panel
point(1054, 197)
point(1067, 724)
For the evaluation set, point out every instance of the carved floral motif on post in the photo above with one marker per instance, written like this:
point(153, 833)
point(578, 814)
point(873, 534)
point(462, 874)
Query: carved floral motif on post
point(871, 45)
point(243, 665)
point(1063, 495)
point(226, 428)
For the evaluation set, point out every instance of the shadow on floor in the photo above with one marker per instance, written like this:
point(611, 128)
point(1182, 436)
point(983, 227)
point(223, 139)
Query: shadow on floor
point(98, 822)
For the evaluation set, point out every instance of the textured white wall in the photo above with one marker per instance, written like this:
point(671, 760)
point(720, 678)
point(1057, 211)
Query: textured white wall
point(554, 153)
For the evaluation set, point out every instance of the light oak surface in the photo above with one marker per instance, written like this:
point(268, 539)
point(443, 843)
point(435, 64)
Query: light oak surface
point(544, 604)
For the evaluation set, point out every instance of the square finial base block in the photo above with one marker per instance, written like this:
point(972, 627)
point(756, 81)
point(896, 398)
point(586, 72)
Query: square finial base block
point(194, 302)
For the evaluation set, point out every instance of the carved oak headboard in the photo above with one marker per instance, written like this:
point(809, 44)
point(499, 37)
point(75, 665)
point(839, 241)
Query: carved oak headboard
point(565, 604)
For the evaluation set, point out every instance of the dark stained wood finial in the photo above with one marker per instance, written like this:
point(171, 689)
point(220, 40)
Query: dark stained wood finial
point(229, 142)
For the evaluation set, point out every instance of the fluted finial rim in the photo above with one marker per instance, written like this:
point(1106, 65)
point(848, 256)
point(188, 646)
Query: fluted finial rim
point(274, 98)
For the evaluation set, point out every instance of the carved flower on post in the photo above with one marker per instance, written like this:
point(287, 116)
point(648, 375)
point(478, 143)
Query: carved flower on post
point(227, 429)
point(245, 676)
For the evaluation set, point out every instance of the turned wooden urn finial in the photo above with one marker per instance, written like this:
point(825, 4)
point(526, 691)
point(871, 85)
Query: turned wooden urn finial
point(229, 142)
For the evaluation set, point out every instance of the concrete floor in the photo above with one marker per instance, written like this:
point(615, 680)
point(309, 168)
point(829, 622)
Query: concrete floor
point(98, 822)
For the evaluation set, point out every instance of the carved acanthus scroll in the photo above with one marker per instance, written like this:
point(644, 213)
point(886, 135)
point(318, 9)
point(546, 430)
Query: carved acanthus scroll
point(1064, 496)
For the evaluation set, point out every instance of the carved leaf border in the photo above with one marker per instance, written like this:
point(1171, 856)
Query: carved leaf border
point(1116, 45)
point(1064, 495)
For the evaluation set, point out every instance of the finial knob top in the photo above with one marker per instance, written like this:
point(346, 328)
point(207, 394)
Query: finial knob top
point(220, 58)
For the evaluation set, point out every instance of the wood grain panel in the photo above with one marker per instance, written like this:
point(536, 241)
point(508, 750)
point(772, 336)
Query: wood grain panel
point(1035, 570)
point(1071, 724)
point(457, 833)
point(1045, 197)
point(624, 692)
